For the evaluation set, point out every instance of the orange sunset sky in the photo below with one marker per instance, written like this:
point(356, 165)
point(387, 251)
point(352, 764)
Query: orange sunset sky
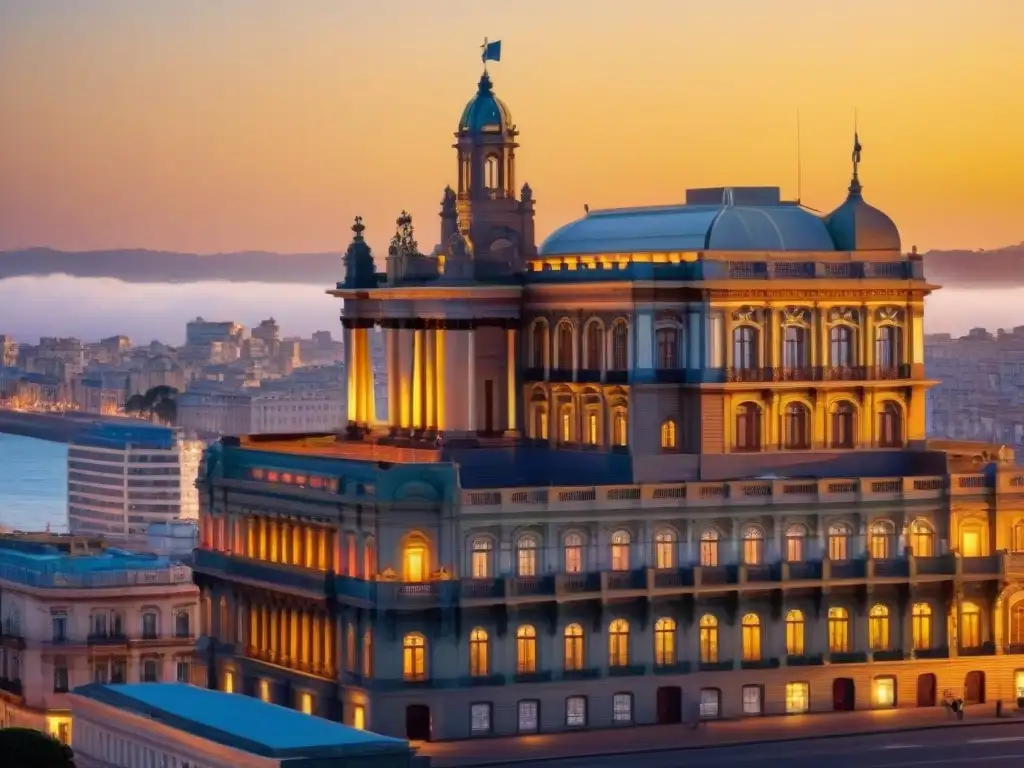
point(203, 125)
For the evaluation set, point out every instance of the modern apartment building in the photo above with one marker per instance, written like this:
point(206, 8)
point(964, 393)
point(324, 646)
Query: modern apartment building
point(672, 460)
point(124, 475)
point(73, 611)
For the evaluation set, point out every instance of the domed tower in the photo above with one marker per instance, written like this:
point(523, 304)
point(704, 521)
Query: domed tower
point(487, 211)
point(857, 226)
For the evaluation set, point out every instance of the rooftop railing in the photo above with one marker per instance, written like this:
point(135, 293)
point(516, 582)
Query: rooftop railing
point(170, 576)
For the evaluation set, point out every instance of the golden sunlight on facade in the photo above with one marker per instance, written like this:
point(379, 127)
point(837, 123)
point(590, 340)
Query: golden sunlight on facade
point(673, 459)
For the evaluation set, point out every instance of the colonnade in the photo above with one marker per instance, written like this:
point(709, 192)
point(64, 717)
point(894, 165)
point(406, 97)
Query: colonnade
point(300, 638)
point(359, 369)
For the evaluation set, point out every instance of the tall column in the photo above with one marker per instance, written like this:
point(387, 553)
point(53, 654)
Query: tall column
point(454, 363)
point(309, 552)
point(471, 380)
point(352, 378)
point(316, 644)
point(367, 399)
point(418, 378)
point(430, 379)
point(405, 359)
point(511, 365)
point(440, 412)
point(394, 377)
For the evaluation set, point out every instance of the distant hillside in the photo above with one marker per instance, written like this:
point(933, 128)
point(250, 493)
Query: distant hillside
point(1001, 267)
point(141, 266)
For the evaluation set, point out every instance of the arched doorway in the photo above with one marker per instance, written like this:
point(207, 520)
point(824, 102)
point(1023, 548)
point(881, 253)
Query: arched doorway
point(844, 694)
point(670, 705)
point(927, 690)
point(417, 722)
point(974, 688)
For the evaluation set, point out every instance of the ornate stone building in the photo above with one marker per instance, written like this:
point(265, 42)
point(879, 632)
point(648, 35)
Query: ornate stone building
point(673, 459)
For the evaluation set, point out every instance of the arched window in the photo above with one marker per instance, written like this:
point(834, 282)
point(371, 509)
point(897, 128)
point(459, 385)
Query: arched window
point(415, 563)
point(350, 647)
point(620, 551)
point(414, 657)
point(595, 347)
point(745, 355)
point(709, 549)
point(491, 172)
point(664, 642)
point(620, 346)
point(618, 643)
point(843, 432)
point(526, 650)
point(368, 653)
point(882, 536)
point(838, 630)
point(841, 353)
point(668, 435)
point(921, 626)
point(796, 539)
point(526, 560)
point(593, 433)
point(563, 346)
point(708, 639)
point(565, 430)
point(887, 350)
point(970, 625)
point(539, 344)
point(540, 422)
point(839, 542)
point(483, 558)
point(370, 558)
point(753, 545)
point(797, 434)
point(878, 628)
point(751, 639)
point(795, 633)
point(1017, 545)
point(890, 425)
point(668, 348)
point(796, 352)
point(574, 647)
point(478, 653)
point(620, 428)
point(573, 553)
point(182, 621)
point(664, 550)
point(922, 539)
point(1017, 625)
point(748, 427)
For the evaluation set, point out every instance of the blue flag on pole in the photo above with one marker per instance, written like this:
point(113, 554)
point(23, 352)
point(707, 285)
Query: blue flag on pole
point(491, 51)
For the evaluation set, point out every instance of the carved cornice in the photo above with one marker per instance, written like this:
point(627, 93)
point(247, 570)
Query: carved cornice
point(810, 294)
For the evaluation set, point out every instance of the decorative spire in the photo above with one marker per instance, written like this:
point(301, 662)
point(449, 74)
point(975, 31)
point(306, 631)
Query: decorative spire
point(358, 228)
point(855, 187)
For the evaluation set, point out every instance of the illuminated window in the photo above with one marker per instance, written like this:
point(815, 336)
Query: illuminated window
point(796, 537)
point(478, 655)
point(540, 422)
point(753, 697)
point(414, 561)
point(563, 346)
point(574, 647)
point(306, 703)
point(576, 711)
point(1017, 624)
point(480, 718)
point(594, 348)
point(839, 542)
point(592, 431)
point(526, 650)
point(921, 626)
point(1017, 545)
point(878, 628)
point(970, 625)
point(884, 690)
point(795, 633)
point(618, 643)
point(668, 435)
point(798, 698)
point(264, 690)
point(368, 652)
point(753, 546)
point(414, 657)
point(528, 715)
point(751, 629)
point(922, 539)
point(622, 708)
point(566, 434)
point(708, 639)
point(483, 553)
point(620, 346)
point(526, 560)
point(709, 549)
point(881, 540)
point(970, 541)
point(664, 642)
point(359, 717)
point(229, 682)
point(838, 630)
point(664, 550)
point(620, 551)
point(620, 433)
point(574, 553)
point(710, 703)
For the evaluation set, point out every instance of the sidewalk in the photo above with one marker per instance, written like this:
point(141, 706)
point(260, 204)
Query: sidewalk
point(657, 738)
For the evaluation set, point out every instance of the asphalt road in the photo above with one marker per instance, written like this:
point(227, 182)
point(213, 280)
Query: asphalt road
point(954, 747)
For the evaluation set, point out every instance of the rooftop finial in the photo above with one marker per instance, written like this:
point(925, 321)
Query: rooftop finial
point(490, 52)
point(855, 180)
point(358, 228)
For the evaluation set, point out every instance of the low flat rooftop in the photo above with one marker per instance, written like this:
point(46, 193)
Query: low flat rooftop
point(337, 447)
point(240, 722)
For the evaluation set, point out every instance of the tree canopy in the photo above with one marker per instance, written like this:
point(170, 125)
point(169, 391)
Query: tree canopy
point(28, 748)
point(158, 401)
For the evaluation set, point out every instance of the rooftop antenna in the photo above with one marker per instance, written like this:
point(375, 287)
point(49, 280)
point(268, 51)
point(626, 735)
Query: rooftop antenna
point(799, 162)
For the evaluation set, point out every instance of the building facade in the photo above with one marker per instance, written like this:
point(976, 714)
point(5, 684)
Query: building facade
point(73, 612)
point(673, 460)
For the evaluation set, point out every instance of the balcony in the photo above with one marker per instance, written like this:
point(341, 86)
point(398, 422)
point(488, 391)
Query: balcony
point(627, 670)
point(280, 577)
point(11, 686)
point(817, 373)
point(805, 660)
point(890, 655)
point(848, 657)
point(427, 594)
point(107, 639)
point(769, 663)
point(941, 652)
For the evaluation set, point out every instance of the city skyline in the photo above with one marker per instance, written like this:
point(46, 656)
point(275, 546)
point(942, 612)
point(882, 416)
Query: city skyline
point(277, 128)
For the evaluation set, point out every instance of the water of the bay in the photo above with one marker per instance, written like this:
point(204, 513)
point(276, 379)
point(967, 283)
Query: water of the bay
point(33, 484)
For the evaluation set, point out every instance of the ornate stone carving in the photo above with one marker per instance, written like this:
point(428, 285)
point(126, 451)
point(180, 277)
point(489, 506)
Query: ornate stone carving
point(843, 314)
point(726, 294)
point(889, 314)
point(746, 315)
point(795, 316)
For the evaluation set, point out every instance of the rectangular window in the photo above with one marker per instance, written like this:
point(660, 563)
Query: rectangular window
point(359, 717)
point(885, 692)
point(99, 673)
point(622, 708)
point(480, 718)
point(60, 629)
point(306, 703)
point(752, 700)
point(60, 675)
point(183, 672)
point(229, 682)
point(709, 699)
point(529, 716)
point(150, 671)
point(576, 711)
point(265, 690)
point(798, 698)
